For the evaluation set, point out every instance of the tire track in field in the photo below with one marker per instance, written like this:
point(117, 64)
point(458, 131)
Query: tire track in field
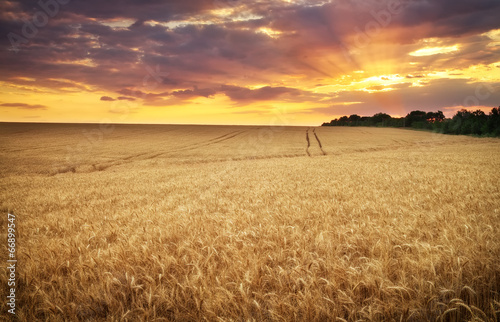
point(224, 137)
point(308, 139)
point(148, 156)
point(319, 142)
point(308, 142)
point(216, 140)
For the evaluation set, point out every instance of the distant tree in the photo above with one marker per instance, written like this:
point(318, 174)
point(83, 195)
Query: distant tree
point(343, 121)
point(479, 118)
point(354, 120)
point(396, 122)
point(463, 122)
point(366, 121)
point(432, 117)
point(455, 124)
point(445, 127)
point(381, 119)
point(493, 122)
point(414, 117)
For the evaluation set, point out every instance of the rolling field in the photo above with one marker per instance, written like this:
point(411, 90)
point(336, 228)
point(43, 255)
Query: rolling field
point(243, 223)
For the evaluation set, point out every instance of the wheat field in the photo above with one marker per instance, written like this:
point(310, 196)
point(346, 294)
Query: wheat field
point(228, 223)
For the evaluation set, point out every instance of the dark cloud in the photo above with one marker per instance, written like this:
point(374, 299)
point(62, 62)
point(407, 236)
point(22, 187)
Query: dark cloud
point(417, 19)
point(422, 11)
point(133, 93)
point(125, 98)
point(235, 93)
point(107, 99)
point(25, 106)
point(188, 93)
point(158, 10)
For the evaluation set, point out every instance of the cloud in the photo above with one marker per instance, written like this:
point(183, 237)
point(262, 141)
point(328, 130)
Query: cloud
point(129, 92)
point(389, 86)
point(188, 93)
point(414, 76)
point(237, 93)
point(125, 98)
point(209, 54)
point(170, 52)
point(119, 98)
point(25, 106)
point(437, 94)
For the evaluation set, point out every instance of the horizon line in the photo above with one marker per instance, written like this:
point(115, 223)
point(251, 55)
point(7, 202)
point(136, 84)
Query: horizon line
point(186, 124)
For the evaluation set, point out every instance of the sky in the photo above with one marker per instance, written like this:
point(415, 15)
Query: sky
point(267, 62)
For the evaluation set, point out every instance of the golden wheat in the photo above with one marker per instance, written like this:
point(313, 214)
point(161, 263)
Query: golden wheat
point(239, 223)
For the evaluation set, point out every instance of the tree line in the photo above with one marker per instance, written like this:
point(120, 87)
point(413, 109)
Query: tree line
point(463, 122)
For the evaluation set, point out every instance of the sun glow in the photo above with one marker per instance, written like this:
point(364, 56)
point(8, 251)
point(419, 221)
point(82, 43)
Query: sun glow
point(270, 32)
point(429, 51)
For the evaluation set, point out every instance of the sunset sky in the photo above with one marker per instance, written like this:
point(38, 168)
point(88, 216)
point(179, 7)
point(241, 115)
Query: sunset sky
point(245, 62)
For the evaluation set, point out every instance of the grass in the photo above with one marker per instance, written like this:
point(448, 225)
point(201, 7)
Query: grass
point(239, 223)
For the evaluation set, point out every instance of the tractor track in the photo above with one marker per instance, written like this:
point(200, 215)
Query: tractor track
point(101, 166)
point(213, 141)
point(319, 142)
point(148, 156)
point(104, 165)
point(308, 142)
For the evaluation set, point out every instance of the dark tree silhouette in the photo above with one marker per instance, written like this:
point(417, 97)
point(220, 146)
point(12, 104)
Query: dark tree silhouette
point(463, 122)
